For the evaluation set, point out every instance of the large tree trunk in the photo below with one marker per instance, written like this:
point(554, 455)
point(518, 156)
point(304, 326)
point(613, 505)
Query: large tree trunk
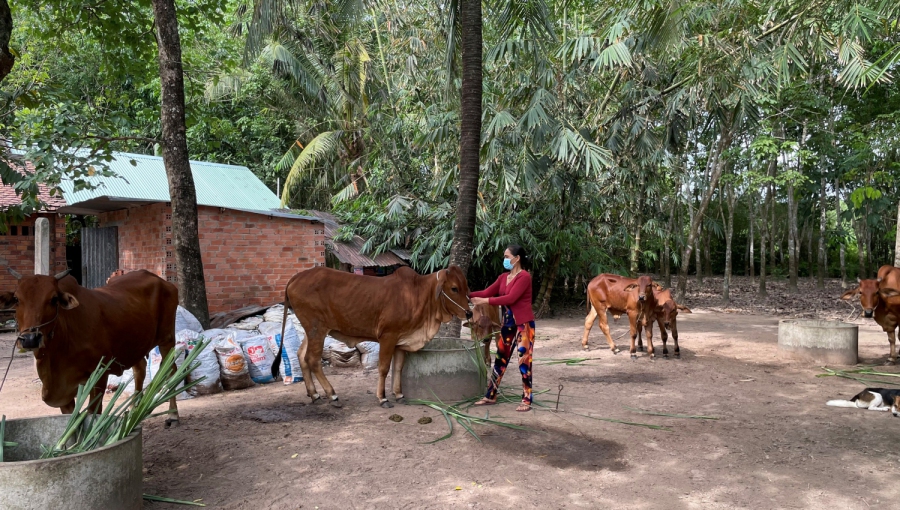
point(729, 231)
point(7, 59)
point(823, 230)
point(469, 142)
point(793, 234)
point(547, 288)
point(719, 166)
point(636, 249)
point(191, 283)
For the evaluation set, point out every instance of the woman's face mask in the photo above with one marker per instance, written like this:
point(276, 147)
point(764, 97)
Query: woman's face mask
point(507, 264)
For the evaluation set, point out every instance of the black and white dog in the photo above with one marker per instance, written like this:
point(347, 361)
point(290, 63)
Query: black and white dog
point(873, 399)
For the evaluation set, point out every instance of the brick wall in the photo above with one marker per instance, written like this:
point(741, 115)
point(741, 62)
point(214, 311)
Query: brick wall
point(17, 247)
point(247, 258)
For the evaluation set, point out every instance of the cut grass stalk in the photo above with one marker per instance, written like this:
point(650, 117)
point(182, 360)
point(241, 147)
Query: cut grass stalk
point(463, 419)
point(852, 375)
point(613, 420)
point(561, 361)
point(654, 413)
point(2, 435)
point(161, 499)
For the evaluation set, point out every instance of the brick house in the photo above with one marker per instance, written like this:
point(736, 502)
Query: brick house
point(17, 244)
point(250, 248)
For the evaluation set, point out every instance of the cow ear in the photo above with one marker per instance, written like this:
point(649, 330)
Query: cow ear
point(7, 300)
point(849, 294)
point(631, 287)
point(889, 293)
point(684, 309)
point(657, 286)
point(441, 278)
point(67, 301)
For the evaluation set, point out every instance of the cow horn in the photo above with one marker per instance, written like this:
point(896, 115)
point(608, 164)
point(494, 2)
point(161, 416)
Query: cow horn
point(14, 273)
point(60, 276)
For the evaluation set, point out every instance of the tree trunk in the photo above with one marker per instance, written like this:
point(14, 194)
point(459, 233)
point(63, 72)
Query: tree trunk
point(793, 234)
point(191, 282)
point(719, 166)
point(698, 262)
point(636, 249)
point(667, 255)
point(897, 242)
point(750, 254)
point(839, 230)
point(823, 229)
point(549, 279)
point(860, 253)
point(767, 232)
point(729, 231)
point(7, 59)
point(469, 142)
point(762, 265)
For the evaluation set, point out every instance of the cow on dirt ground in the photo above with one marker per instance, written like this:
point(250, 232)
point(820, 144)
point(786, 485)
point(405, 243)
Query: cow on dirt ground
point(402, 312)
point(880, 299)
point(485, 326)
point(70, 329)
point(618, 295)
point(665, 314)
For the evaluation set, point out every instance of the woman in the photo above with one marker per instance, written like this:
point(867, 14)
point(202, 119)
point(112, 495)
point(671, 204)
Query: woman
point(512, 291)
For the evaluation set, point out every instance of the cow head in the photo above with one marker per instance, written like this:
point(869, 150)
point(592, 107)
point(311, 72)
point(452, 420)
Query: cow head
point(452, 292)
point(870, 295)
point(645, 287)
point(37, 301)
point(481, 325)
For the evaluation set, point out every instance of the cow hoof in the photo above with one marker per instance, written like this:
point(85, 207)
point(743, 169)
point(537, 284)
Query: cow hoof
point(585, 348)
point(386, 404)
point(401, 400)
point(616, 351)
point(171, 423)
point(677, 355)
point(317, 400)
point(666, 355)
point(634, 357)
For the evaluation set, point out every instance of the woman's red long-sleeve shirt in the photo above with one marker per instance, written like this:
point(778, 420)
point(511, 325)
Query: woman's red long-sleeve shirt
point(516, 296)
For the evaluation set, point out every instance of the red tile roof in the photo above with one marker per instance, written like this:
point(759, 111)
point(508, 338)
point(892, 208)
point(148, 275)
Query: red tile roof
point(9, 198)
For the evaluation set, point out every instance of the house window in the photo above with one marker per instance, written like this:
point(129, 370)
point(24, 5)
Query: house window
point(14, 230)
point(24, 231)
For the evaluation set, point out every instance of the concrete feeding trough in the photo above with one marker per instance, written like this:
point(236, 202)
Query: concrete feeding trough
point(819, 341)
point(451, 369)
point(105, 478)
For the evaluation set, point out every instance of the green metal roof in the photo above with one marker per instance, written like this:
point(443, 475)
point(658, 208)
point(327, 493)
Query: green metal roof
point(229, 186)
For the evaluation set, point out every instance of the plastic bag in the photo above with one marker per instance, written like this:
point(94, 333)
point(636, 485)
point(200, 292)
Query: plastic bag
point(261, 358)
point(369, 352)
point(235, 374)
point(340, 354)
point(274, 314)
point(248, 324)
point(289, 368)
point(208, 368)
point(186, 320)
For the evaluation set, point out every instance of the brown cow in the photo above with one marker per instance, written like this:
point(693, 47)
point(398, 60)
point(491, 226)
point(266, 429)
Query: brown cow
point(485, 326)
point(880, 299)
point(665, 314)
point(70, 328)
point(402, 312)
point(618, 295)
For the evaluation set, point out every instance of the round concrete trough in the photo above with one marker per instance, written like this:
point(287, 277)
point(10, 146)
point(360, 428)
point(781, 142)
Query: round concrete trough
point(446, 368)
point(819, 341)
point(105, 478)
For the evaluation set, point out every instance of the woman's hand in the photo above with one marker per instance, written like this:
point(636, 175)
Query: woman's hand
point(479, 301)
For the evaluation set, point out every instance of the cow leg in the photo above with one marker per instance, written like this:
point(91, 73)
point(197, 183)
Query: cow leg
point(313, 356)
point(662, 334)
point(675, 339)
point(385, 356)
point(604, 326)
point(649, 330)
point(588, 324)
point(892, 337)
point(634, 329)
point(140, 373)
point(397, 371)
point(304, 368)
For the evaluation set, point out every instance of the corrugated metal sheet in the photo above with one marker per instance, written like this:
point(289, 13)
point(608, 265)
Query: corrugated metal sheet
point(99, 255)
point(230, 186)
point(351, 252)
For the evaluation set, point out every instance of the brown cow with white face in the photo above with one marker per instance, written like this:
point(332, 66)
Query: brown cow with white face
point(402, 312)
point(665, 314)
point(880, 298)
point(70, 329)
point(618, 295)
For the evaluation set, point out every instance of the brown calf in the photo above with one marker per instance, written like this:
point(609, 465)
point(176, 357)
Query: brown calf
point(880, 299)
point(618, 295)
point(665, 314)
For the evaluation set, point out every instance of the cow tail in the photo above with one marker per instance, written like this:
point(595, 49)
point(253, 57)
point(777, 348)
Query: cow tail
point(275, 370)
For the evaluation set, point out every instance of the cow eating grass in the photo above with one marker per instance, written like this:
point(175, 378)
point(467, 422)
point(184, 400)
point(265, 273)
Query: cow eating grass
point(402, 312)
point(70, 329)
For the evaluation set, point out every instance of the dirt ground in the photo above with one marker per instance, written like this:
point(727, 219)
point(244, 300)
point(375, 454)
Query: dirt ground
point(774, 445)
